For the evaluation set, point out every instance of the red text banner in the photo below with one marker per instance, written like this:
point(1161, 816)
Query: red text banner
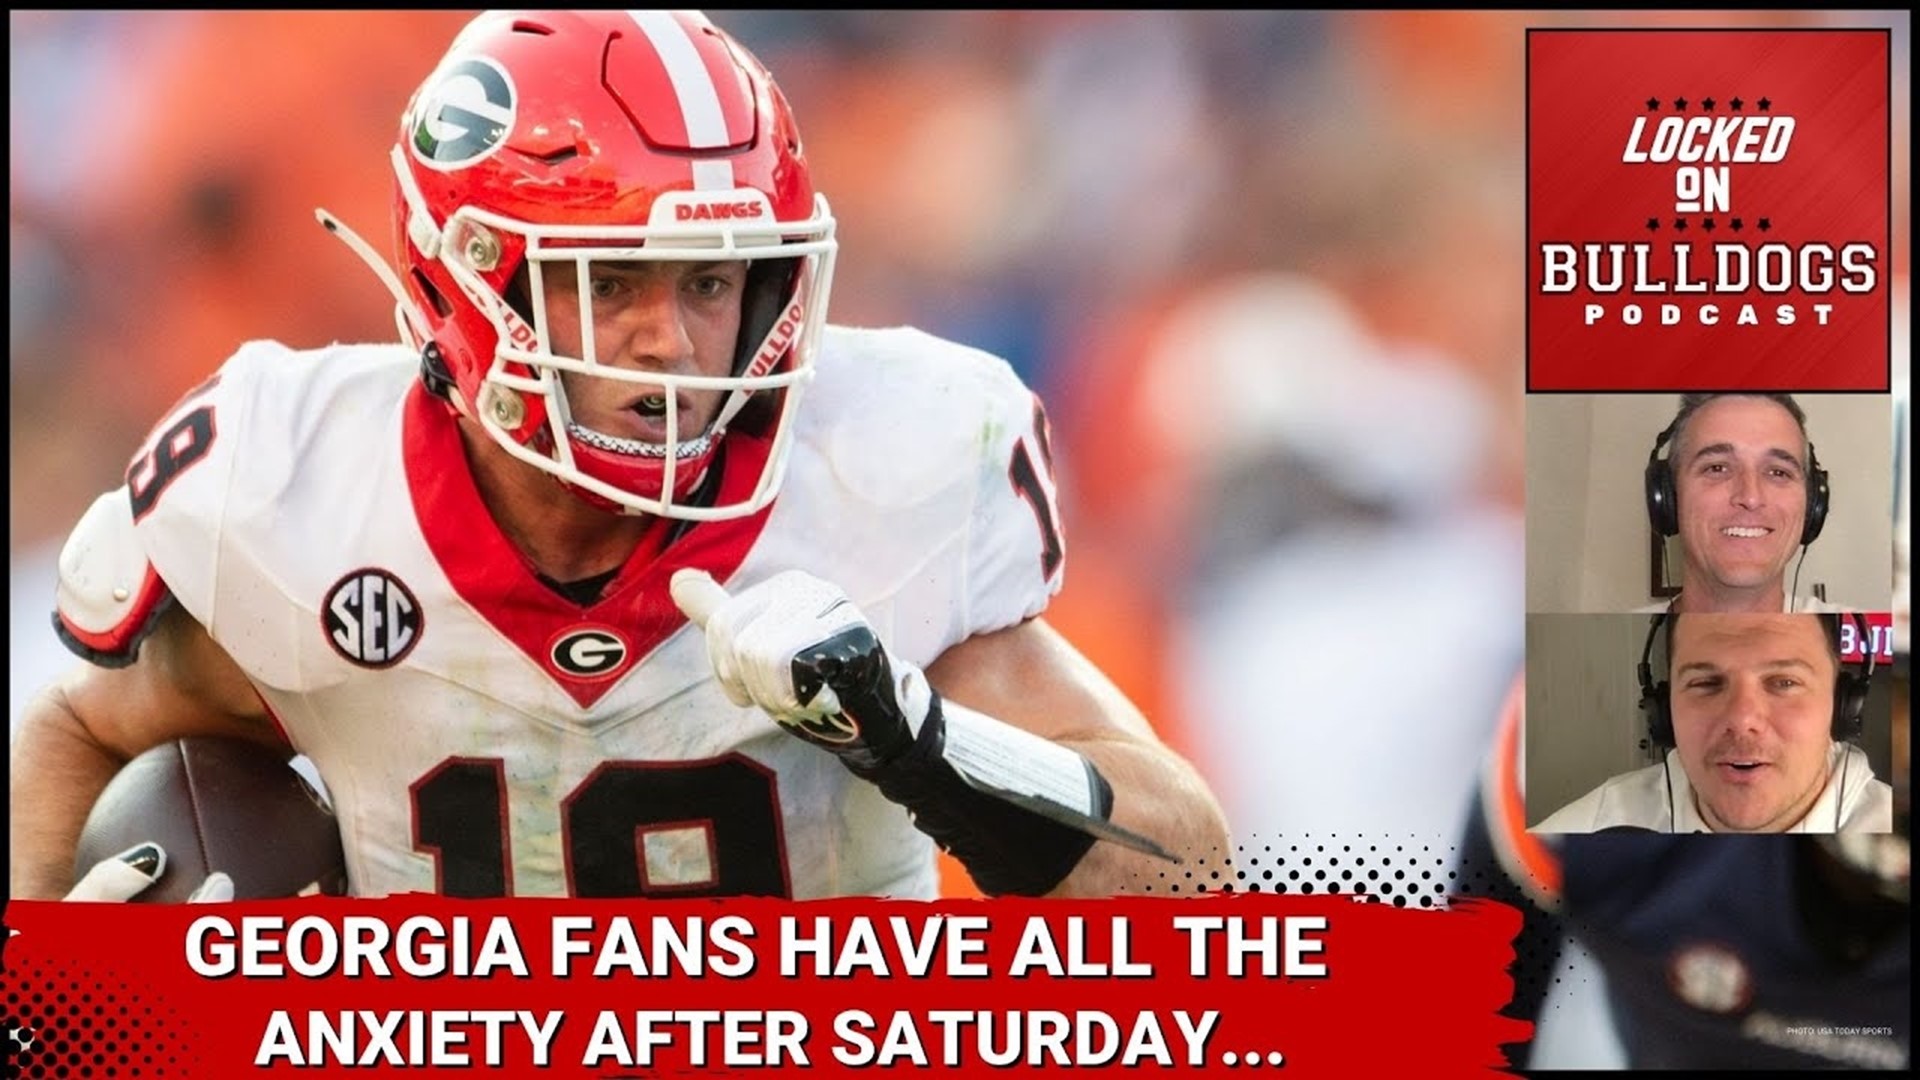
point(1317, 985)
point(1708, 210)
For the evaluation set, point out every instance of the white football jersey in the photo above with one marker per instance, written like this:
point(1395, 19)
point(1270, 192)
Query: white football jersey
point(481, 735)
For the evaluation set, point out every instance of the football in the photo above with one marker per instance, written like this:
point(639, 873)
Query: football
point(218, 804)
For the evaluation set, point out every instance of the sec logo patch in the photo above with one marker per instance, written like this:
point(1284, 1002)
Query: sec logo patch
point(371, 618)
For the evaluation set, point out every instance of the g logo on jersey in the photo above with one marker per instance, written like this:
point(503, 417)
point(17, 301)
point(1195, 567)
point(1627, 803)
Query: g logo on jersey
point(371, 618)
point(589, 652)
point(464, 114)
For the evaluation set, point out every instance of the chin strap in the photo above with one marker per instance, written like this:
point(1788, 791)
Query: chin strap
point(435, 374)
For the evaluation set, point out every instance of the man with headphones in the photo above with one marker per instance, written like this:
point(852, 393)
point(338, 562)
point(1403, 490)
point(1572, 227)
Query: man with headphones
point(1741, 487)
point(1756, 714)
point(1718, 952)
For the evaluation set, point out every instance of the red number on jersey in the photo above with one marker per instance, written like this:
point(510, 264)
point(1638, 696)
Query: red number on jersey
point(171, 452)
point(1039, 492)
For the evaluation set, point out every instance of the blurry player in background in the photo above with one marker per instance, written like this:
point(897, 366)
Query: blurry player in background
point(457, 573)
point(1356, 531)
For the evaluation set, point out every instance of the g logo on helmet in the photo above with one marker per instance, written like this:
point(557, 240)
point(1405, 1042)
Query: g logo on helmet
point(464, 113)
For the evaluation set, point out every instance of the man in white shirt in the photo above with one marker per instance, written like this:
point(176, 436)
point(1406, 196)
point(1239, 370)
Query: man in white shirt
point(1741, 488)
point(1755, 712)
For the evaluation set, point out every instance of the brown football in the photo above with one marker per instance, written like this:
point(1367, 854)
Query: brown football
point(218, 804)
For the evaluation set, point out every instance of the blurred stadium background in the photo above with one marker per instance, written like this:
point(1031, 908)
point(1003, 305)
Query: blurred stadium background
point(1265, 268)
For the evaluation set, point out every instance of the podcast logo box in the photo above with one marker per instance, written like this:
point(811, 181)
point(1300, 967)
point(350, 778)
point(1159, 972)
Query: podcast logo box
point(1708, 210)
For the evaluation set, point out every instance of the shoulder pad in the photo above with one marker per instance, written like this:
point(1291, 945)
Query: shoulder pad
point(109, 597)
point(904, 417)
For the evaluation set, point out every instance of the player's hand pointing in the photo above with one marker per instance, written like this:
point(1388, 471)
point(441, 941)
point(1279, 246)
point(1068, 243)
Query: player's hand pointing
point(798, 648)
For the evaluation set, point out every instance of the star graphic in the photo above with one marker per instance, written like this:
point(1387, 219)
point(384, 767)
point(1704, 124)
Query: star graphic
point(1736, 103)
point(1653, 224)
point(1680, 103)
point(1653, 104)
point(1680, 223)
point(1737, 224)
point(1765, 104)
point(1765, 224)
point(1707, 224)
point(1707, 104)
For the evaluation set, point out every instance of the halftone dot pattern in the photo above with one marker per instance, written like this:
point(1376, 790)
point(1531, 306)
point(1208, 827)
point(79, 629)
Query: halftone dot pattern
point(1402, 871)
point(1407, 871)
point(66, 1024)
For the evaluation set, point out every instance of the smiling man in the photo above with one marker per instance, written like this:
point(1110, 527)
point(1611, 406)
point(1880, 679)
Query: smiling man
point(1741, 487)
point(1754, 714)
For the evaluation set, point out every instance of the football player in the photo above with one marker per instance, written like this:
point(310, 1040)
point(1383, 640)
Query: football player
point(477, 577)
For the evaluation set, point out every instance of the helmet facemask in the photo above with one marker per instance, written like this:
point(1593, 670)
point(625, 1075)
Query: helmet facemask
point(521, 401)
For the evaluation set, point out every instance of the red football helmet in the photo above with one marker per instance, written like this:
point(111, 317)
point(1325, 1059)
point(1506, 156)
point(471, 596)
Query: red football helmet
point(548, 138)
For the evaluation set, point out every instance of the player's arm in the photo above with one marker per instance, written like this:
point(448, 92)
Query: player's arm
point(1019, 802)
point(1029, 677)
point(139, 579)
point(1011, 751)
point(78, 732)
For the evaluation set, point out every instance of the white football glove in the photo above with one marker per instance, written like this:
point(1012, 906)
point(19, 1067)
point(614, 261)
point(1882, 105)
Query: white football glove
point(798, 648)
point(128, 874)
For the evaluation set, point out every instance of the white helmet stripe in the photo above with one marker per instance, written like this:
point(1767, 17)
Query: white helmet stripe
point(693, 86)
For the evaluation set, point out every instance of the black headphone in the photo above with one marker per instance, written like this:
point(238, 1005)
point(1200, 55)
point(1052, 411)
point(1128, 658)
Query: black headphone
point(1663, 504)
point(1849, 689)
